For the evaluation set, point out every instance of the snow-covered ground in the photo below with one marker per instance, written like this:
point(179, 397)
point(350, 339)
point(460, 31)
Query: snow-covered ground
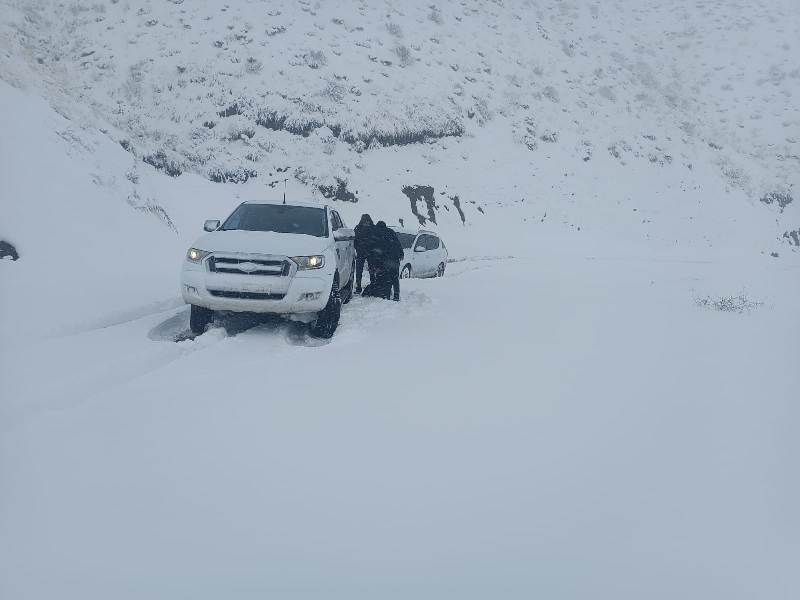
point(597, 400)
point(555, 427)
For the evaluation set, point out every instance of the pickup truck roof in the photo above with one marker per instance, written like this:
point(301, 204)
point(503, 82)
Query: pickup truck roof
point(308, 203)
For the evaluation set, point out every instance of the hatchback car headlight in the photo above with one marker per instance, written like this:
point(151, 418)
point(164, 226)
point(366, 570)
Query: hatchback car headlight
point(309, 262)
point(195, 256)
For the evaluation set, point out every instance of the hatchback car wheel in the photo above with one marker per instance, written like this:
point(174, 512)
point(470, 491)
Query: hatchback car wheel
point(406, 272)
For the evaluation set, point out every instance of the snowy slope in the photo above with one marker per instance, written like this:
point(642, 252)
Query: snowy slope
point(584, 111)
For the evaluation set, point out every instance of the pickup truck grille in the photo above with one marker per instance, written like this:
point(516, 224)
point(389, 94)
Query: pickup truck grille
point(246, 295)
point(249, 266)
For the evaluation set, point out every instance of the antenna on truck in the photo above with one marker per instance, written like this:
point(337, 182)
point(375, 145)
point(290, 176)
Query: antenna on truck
point(284, 189)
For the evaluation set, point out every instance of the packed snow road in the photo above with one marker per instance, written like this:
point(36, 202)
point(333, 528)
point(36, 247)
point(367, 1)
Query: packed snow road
point(518, 428)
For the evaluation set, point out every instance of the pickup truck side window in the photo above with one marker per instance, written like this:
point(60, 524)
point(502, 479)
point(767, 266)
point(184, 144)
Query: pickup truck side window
point(340, 220)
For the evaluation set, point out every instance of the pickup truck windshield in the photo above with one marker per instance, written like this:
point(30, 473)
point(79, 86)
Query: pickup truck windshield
point(278, 218)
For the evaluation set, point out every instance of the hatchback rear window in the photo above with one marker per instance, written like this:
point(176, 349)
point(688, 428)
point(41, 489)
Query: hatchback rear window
point(406, 239)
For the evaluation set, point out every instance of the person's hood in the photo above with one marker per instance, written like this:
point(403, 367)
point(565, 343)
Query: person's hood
point(262, 242)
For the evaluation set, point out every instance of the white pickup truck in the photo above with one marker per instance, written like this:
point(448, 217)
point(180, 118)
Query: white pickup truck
point(294, 259)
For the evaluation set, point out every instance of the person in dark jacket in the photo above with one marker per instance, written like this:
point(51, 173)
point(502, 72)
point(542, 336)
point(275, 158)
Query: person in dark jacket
point(365, 246)
point(389, 253)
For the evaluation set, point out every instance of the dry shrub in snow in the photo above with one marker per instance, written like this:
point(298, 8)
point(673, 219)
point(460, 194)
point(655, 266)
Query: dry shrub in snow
point(793, 237)
point(404, 55)
point(782, 199)
point(236, 174)
point(735, 304)
point(315, 59)
point(163, 162)
point(237, 127)
point(337, 190)
point(253, 65)
point(394, 29)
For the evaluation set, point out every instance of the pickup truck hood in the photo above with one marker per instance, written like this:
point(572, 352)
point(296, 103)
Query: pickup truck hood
point(262, 242)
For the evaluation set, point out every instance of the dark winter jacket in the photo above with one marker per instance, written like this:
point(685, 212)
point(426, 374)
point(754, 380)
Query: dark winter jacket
point(388, 247)
point(365, 239)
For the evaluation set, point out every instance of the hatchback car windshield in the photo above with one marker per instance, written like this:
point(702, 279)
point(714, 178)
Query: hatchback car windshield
point(406, 239)
point(278, 218)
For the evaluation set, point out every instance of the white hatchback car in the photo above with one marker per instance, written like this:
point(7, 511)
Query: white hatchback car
point(424, 253)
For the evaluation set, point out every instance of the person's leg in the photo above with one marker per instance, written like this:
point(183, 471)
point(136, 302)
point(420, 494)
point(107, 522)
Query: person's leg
point(396, 281)
point(384, 277)
point(359, 272)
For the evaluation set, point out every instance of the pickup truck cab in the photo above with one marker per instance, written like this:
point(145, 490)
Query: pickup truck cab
point(293, 259)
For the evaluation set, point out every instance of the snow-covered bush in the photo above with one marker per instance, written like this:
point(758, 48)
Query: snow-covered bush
point(404, 55)
point(735, 304)
point(163, 161)
point(237, 174)
point(394, 29)
point(315, 59)
point(337, 191)
point(781, 198)
point(549, 136)
point(253, 65)
point(237, 127)
point(792, 237)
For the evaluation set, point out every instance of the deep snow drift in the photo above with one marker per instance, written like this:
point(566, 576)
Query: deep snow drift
point(597, 400)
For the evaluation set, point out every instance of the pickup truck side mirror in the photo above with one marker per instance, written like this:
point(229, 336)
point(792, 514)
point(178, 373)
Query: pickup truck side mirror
point(211, 225)
point(420, 249)
point(344, 235)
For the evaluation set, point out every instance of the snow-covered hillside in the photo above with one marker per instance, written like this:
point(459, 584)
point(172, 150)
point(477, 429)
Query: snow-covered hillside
point(597, 400)
point(673, 121)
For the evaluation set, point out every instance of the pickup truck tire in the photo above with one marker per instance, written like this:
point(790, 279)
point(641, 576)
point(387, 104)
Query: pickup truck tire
point(328, 318)
point(347, 291)
point(199, 318)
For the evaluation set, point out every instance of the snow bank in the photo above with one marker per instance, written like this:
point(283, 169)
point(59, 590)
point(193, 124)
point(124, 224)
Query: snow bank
point(98, 239)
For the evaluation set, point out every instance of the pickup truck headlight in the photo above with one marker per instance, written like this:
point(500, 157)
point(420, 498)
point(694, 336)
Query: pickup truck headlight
point(195, 256)
point(309, 262)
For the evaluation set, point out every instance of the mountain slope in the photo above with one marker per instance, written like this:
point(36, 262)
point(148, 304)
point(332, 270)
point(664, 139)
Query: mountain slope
point(659, 107)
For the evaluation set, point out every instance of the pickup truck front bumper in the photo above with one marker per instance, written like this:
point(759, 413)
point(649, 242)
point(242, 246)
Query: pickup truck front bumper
point(295, 293)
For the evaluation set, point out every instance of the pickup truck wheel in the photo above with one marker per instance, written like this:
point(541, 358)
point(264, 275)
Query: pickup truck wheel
point(347, 291)
point(406, 272)
point(199, 318)
point(328, 318)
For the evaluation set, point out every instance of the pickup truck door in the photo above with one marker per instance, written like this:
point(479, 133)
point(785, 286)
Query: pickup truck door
point(345, 250)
